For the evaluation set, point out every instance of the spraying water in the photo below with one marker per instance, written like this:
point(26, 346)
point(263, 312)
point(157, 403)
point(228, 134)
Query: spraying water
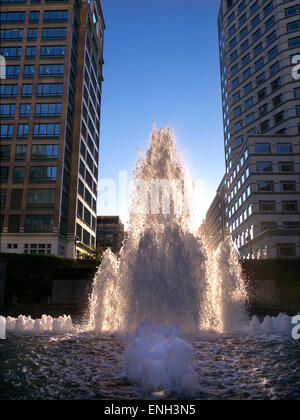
point(165, 273)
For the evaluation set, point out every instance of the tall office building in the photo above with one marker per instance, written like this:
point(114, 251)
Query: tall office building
point(50, 125)
point(259, 44)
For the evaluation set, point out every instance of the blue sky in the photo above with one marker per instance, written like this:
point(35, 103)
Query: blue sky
point(161, 63)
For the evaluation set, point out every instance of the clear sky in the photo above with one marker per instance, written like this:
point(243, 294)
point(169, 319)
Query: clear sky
point(162, 63)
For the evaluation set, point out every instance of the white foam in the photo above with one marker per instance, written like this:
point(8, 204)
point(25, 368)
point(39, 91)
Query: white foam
point(280, 325)
point(159, 359)
point(46, 324)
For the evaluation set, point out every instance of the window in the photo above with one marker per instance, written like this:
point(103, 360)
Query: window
point(269, 23)
point(257, 49)
point(234, 69)
point(4, 170)
point(52, 89)
point(265, 186)
point(237, 111)
point(255, 21)
point(236, 97)
point(293, 26)
point(273, 53)
point(46, 130)
point(16, 199)
point(245, 46)
point(5, 153)
point(51, 70)
point(263, 109)
point(14, 224)
point(275, 68)
point(19, 174)
point(34, 16)
point(287, 186)
point(292, 11)
point(54, 33)
point(53, 51)
point(32, 34)
point(44, 152)
point(23, 130)
point(263, 148)
point(40, 224)
point(264, 126)
point(256, 35)
point(286, 167)
point(276, 84)
point(297, 92)
point(267, 206)
point(268, 9)
point(30, 52)
point(244, 32)
point(259, 64)
point(249, 103)
point(248, 88)
point(250, 118)
point(29, 71)
point(289, 206)
point(12, 17)
point(47, 110)
point(20, 154)
point(261, 78)
point(40, 198)
point(238, 126)
point(294, 42)
point(11, 52)
point(271, 38)
point(247, 74)
point(286, 250)
point(7, 110)
point(6, 130)
point(55, 16)
point(12, 35)
point(278, 118)
point(2, 198)
point(43, 174)
point(12, 71)
point(264, 167)
point(27, 90)
point(25, 110)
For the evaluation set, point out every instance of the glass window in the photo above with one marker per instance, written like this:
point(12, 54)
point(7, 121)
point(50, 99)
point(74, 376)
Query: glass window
point(286, 167)
point(44, 152)
point(38, 223)
point(6, 130)
point(46, 130)
point(19, 174)
point(27, 90)
point(264, 167)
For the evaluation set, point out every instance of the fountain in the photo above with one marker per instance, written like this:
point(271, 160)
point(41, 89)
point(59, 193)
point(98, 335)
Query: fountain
point(165, 272)
point(180, 303)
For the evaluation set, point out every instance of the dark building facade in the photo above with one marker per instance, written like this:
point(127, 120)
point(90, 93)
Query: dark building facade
point(214, 225)
point(259, 43)
point(50, 125)
point(110, 233)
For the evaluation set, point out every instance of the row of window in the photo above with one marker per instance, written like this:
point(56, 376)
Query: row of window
point(84, 236)
point(269, 186)
point(38, 152)
point(34, 16)
point(32, 35)
point(36, 198)
point(285, 167)
point(281, 148)
point(36, 174)
point(55, 51)
point(33, 224)
point(39, 130)
point(43, 89)
point(84, 214)
point(41, 110)
point(47, 70)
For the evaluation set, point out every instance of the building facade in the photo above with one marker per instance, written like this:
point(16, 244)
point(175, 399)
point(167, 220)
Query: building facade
point(50, 125)
point(214, 225)
point(259, 43)
point(110, 233)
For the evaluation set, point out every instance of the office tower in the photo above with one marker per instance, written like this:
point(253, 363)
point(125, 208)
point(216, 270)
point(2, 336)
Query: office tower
point(50, 125)
point(110, 233)
point(259, 44)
